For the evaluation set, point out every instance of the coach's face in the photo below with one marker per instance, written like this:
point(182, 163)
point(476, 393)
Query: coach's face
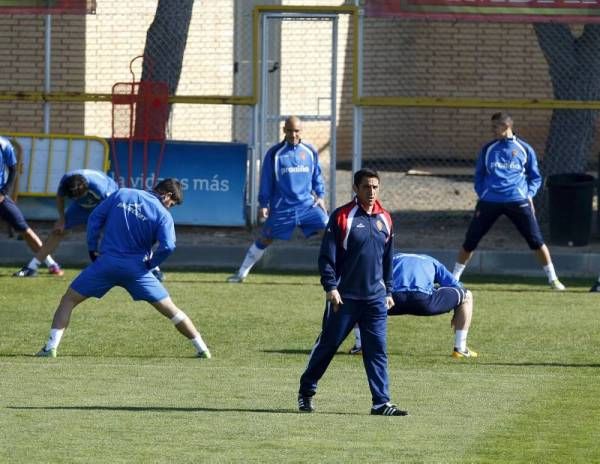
point(367, 192)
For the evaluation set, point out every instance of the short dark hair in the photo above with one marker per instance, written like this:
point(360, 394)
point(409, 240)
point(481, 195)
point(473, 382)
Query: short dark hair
point(502, 117)
point(172, 186)
point(364, 173)
point(76, 186)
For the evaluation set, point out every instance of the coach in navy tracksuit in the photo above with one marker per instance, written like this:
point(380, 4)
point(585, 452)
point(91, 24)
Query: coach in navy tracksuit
point(355, 263)
point(506, 180)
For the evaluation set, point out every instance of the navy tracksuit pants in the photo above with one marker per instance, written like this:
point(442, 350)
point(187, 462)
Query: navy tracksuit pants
point(371, 316)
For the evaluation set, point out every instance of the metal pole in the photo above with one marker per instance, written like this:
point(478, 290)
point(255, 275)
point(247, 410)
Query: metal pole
point(47, 71)
point(357, 111)
point(262, 104)
point(253, 177)
point(333, 122)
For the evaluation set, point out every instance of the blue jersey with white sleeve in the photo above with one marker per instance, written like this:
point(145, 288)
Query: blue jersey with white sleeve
point(8, 159)
point(100, 186)
point(507, 171)
point(420, 273)
point(289, 176)
point(133, 222)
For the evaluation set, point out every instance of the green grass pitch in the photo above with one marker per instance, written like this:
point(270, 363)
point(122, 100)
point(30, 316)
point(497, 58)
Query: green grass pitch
point(126, 388)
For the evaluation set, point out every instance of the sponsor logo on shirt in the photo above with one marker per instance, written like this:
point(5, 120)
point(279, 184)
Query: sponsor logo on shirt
point(133, 208)
point(360, 225)
point(501, 165)
point(295, 169)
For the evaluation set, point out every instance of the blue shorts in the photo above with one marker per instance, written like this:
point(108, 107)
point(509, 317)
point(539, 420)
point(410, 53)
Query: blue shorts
point(520, 213)
point(281, 224)
point(11, 213)
point(76, 215)
point(109, 271)
point(441, 301)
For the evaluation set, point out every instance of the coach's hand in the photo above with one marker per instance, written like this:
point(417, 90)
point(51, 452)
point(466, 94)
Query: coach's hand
point(1, 197)
point(263, 213)
point(334, 297)
point(93, 255)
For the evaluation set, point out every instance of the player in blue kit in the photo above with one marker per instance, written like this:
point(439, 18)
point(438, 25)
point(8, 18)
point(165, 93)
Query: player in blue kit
point(291, 194)
point(86, 188)
point(355, 262)
point(424, 287)
point(506, 180)
point(10, 212)
point(133, 222)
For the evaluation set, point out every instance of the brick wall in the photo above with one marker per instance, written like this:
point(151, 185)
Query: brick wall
point(401, 58)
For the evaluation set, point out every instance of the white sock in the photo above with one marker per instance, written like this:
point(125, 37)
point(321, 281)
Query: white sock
point(357, 341)
point(550, 272)
point(34, 263)
point(49, 261)
point(199, 344)
point(54, 338)
point(252, 256)
point(460, 339)
point(458, 270)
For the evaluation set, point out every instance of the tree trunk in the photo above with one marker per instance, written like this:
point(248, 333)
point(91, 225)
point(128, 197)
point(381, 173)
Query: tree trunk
point(163, 56)
point(574, 66)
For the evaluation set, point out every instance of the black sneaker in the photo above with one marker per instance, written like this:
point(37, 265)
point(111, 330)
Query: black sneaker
point(595, 288)
point(25, 272)
point(388, 409)
point(305, 404)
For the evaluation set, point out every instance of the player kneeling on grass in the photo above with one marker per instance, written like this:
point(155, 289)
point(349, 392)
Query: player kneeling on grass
point(415, 292)
point(133, 221)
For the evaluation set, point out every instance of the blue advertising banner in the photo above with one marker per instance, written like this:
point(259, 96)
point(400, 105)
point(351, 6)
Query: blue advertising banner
point(212, 174)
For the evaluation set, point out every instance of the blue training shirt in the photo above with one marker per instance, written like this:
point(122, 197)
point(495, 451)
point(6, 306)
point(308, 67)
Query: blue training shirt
point(100, 186)
point(507, 171)
point(289, 175)
point(7, 159)
point(133, 222)
point(420, 273)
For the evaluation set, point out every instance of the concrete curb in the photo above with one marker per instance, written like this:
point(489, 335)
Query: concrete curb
point(304, 258)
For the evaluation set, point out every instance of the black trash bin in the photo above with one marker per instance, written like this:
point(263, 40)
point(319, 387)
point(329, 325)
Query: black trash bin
point(570, 207)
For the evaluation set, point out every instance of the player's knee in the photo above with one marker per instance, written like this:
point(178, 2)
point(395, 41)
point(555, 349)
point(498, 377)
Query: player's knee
point(468, 296)
point(470, 244)
point(179, 317)
point(263, 242)
point(535, 243)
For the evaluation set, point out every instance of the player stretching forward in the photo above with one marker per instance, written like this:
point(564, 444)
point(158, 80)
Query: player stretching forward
point(133, 221)
point(10, 212)
point(87, 188)
point(415, 292)
point(291, 194)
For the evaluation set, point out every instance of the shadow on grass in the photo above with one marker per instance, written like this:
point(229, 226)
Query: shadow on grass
point(168, 409)
point(303, 352)
point(539, 364)
point(245, 284)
